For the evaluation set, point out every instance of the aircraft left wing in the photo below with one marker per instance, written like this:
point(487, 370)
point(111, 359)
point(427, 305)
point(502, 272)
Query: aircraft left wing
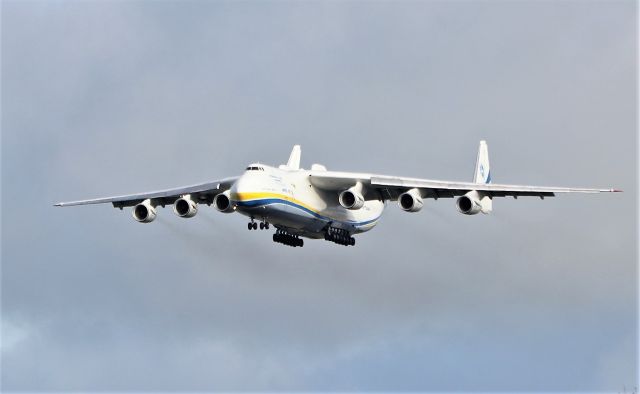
point(391, 187)
point(203, 193)
point(482, 188)
point(437, 189)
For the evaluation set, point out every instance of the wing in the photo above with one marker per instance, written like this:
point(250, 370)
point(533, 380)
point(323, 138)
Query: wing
point(202, 193)
point(438, 189)
point(391, 187)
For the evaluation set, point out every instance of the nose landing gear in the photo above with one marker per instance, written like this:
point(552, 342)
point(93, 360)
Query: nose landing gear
point(252, 225)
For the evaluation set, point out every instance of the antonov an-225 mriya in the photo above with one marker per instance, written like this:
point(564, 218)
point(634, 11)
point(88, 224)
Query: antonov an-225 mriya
point(325, 204)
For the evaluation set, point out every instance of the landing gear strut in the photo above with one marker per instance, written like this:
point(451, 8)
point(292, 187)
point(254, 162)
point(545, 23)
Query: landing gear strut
point(339, 236)
point(285, 238)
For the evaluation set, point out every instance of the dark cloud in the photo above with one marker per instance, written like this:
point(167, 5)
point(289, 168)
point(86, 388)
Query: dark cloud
point(105, 98)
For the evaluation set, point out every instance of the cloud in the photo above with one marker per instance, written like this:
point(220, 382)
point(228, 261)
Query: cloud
point(109, 98)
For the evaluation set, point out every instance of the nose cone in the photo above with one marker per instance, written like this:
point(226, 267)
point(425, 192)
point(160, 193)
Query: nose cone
point(240, 185)
point(244, 187)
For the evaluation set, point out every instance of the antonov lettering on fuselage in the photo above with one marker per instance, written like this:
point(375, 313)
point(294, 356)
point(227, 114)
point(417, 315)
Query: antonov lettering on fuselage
point(321, 204)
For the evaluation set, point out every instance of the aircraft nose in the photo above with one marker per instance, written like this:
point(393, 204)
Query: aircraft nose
point(240, 188)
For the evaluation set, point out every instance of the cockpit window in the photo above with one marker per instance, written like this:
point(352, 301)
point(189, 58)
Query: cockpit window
point(251, 168)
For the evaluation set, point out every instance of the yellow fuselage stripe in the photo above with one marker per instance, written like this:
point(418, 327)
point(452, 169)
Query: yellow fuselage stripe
point(249, 196)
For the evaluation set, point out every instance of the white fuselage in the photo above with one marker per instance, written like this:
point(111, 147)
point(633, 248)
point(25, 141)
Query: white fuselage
point(317, 203)
point(286, 199)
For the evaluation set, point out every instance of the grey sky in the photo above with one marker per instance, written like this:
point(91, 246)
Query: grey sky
point(103, 98)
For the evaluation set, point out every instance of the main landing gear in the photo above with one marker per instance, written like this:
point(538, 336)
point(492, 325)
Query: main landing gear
point(283, 237)
point(339, 236)
point(254, 225)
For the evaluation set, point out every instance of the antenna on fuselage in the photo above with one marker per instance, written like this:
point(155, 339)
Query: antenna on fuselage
point(294, 158)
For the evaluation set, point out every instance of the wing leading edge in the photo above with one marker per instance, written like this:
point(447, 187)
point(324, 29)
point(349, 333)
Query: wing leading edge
point(437, 189)
point(391, 187)
point(202, 193)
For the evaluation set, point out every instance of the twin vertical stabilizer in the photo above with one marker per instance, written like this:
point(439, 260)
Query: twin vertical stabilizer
point(482, 174)
point(294, 158)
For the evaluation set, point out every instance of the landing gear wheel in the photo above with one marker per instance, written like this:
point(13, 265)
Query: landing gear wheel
point(283, 237)
point(339, 236)
point(261, 226)
point(266, 225)
point(254, 225)
point(249, 226)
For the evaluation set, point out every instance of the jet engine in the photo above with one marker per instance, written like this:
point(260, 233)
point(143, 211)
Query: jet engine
point(473, 203)
point(222, 202)
point(352, 198)
point(185, 207)
point(410, 201)
point(144, 212)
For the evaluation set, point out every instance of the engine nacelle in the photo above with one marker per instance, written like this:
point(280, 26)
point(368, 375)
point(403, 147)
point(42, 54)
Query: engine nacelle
point(410, 201)
point(473, 203)
point(144, 212)
point(352, 198)
point(185, 207)
point(222, 202)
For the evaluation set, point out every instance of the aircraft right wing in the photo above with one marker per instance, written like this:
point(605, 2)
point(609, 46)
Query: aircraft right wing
point(202, 193)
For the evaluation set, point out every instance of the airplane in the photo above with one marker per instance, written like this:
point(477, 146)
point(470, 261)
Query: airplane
point(322, 204)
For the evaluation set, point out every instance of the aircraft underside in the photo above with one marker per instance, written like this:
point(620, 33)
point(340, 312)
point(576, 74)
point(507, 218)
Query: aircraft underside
point(292, 223)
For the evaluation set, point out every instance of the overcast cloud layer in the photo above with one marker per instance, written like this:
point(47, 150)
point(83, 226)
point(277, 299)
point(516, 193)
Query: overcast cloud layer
point(104, 98)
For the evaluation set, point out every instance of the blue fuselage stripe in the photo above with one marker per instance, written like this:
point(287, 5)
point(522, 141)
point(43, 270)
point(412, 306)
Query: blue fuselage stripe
point(271, 201)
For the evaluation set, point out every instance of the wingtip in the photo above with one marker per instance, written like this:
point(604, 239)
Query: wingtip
point(616, 190)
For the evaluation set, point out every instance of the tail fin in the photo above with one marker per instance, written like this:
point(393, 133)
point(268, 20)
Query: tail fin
point(294, 158)
point(483, 171)
point(483, 175)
